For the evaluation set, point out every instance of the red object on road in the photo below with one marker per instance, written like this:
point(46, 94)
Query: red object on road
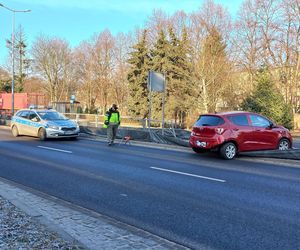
point(126, 139)
point(21, 100)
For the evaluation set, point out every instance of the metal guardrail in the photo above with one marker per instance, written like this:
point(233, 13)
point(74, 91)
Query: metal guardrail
point(94, 120)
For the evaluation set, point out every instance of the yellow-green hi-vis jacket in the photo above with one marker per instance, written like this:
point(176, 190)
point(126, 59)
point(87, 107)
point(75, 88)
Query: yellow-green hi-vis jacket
point(111, 117)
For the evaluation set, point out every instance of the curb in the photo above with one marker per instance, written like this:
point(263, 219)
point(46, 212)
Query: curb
point(292, 154)
point(94, 137)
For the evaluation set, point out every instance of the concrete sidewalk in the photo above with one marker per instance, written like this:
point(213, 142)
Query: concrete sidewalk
point(90, 229)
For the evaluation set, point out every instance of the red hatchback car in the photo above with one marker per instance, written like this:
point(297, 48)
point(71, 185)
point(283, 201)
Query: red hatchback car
point(234, 132)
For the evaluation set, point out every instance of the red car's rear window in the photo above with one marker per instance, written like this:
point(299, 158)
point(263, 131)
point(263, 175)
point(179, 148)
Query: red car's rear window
point(209, 120)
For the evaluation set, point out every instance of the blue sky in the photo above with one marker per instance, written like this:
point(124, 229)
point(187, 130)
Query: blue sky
point(78, 20)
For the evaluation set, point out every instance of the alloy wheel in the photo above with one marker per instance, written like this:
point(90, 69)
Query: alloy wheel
point(230, 151)
point(284, 144)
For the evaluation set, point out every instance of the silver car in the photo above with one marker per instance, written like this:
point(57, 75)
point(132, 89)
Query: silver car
point(43, 124)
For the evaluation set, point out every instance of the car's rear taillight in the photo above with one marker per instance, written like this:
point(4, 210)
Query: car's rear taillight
point(195, 131)
point(220, 130)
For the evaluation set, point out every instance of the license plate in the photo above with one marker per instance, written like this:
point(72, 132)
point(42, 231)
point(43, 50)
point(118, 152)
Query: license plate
point(201, 144)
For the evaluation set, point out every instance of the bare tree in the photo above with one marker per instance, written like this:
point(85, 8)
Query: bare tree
point(121, 54)
point(246, 40)
point(268, 34)
point(102, 65)
point(288, 47)
point(210, 27)
point(179, 21)
point(268, 12)
point(52, 61)
point(84, 75)
point(158, 21)
point(101, 70)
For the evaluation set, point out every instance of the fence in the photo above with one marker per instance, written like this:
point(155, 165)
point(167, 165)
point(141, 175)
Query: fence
point(94, 120)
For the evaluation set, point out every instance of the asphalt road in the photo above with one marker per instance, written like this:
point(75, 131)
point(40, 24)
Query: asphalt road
point(296, 143)
point(195, 200)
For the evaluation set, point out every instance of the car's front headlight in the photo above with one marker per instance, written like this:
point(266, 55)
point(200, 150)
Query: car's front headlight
point(53, 127)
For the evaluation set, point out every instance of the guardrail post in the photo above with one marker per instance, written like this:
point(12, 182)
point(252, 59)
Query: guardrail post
point(96, 121)
point(173, 129)
point(144, 121)
point(77, 117)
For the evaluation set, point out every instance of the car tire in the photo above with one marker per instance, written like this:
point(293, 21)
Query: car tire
point(284, 144)
point(42, 134)
point(228, 151)
point(199, 150)
point(15, 131)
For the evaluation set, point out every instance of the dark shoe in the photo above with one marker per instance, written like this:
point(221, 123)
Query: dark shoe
point(109, 144)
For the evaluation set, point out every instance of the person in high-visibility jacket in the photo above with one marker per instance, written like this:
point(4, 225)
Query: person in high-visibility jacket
point(112, 121)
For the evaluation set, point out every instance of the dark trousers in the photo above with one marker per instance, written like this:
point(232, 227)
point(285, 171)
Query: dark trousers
point(112, 132)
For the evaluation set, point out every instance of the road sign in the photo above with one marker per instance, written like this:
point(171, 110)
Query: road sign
point(156, 82)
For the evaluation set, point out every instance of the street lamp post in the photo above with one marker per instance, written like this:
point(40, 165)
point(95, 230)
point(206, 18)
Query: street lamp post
point(13, 54)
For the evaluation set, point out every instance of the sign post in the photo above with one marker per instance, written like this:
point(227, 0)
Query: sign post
point(163, 107)
point(157, 83)
point(72, 100)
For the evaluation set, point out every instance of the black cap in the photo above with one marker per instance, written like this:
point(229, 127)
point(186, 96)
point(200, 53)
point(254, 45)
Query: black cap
point(114, 106)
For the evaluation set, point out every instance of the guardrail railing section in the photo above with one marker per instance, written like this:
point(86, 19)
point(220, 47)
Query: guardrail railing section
point(94, 120)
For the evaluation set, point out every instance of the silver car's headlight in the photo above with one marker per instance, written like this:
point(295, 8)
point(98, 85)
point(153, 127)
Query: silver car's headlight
point(53, 127)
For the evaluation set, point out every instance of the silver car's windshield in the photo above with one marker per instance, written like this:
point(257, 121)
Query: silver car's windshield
point(51, 115)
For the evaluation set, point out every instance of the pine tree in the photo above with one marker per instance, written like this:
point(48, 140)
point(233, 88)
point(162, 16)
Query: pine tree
point(159, 63)
point(21, 62)
point(170, 57)
point(179, 77)
point(268, 101)
point(138, 76)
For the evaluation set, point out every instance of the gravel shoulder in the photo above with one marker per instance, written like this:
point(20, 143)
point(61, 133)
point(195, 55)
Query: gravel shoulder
point(21, 231)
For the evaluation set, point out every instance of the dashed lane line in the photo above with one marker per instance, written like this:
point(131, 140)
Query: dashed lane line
point(56, 149)
point(187, 174)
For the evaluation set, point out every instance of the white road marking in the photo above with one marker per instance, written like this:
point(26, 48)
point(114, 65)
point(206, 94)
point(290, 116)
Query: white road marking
point(192, 175)
point(56, 149)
